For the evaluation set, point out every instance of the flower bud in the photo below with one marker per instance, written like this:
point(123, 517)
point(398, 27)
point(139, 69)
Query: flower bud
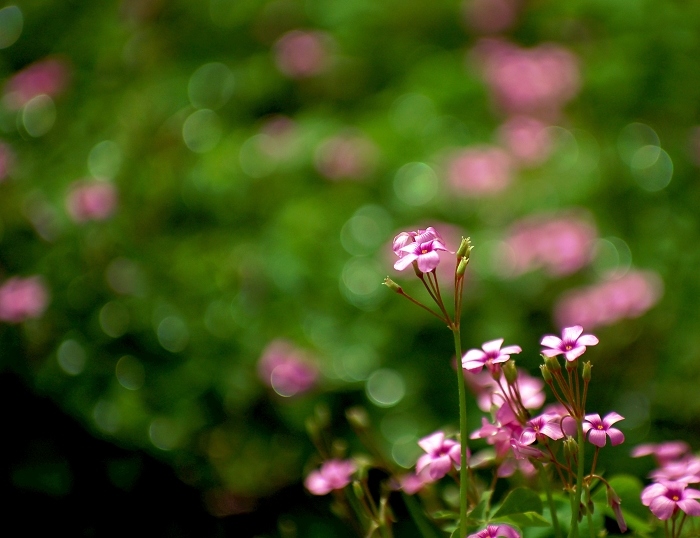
point(552, 364)
point(586, 371)
point(393, 286)
point(358, 417)
point(546, 374)
point(570, 447)
point(510, 372)
point(462, 267)
point(465, 248)
point(357, 489)
point(572, 365)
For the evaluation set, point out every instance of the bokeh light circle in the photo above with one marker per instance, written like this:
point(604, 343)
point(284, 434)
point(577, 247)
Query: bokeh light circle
point(415, 184)
point(385, 387)
point(11, 23)
point(202, 130)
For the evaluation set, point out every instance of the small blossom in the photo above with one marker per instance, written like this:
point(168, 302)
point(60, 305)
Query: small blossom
point(523, 451)
point(572, 343)
point(494, 531)
point(664, 499)
point(91, 200)
point(686, 470)
point(302, 54)
point(424, 253)
point(597, 430)
point(490, 354)
point(333, 474)
point(48, 76)
point(614, 502)
point(413, 483)
point(543, 425)
point(286, 369)
point(479, 171)
point(663, 452)
point(440, 455)
point(22, 299)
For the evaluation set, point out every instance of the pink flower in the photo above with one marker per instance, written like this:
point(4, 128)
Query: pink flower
point(91, 200)
point(413, 483)
point(542, 426)
point(686, 470)
point(614, 299)
point(664, 453)
point(479, 171)
point(598, 430)
point(664, 499)
point(302, 54)
point(490, 354)
point(286, 369)
point(440, 455)
point(559, 244)
point(48, 76)
point(424, 253)
point(494, 531)
point(346, 157)
point(489, 393)
point(22, 299)
point(333, 474)
point(537, 81)
point(572, 343)
point(526, 139)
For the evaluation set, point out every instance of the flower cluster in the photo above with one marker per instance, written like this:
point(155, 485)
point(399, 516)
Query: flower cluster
point(669, 494)
point(421, 247)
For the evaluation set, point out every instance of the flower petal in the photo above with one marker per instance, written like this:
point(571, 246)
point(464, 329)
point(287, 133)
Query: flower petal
point(575, 353)
point(428, 261)
point(492, 346)
point(404, 262)
point(651, 492)
point(616, 436)
point(597, 437)
point(587, 340)
point(511, 349)
point(611, 418)
point(432, 443)
point(316, 484)
point(690, 506)
point(440, 467)
point(570, 334)
point(662, 507)
point(551, 341)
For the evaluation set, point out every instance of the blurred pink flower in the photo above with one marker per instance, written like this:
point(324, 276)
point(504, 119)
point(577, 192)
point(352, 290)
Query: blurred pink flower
point(346, 156)
point(48, 76)
point(301, 54)
point(665, 498)
point(538, 81)
point(490, 355)
point(280, 138)
point(479, 171)
point(597, 430)
point(489, 393)
point(609, 301)
point(496, 531)
point(560, 245)
point(22, 299)
point(441, 455)
point(91, 200)
point(333, 474)
point(413, 483)
point(527, 140)
point(664, 453)
point(286, 369)
point(491, 16)
point(7, 159)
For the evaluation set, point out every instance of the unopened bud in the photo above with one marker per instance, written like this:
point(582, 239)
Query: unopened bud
point(510, 371)
point(586, 375)
point(465, 248)
point(552, 364)
point(357, 489)
point(570, 447)
point(590, 506)
point(572, 365)
point(393, 286)
point(358, 417)
point(462, 267)
point(546, 374)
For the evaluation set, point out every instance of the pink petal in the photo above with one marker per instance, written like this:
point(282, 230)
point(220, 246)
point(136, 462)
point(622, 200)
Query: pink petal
point(690, 507)
point(691, 493)
point(616, 436)
point(432, 443)
point(597, 437)
point(552, 430)
point(587, 340)
point(510, 349)
point(404, 262)
point(662, 507)
point(493, 346)
point(611, 418)
point(423, 462)
point(474, 355)
point(528, 437)
point(570, 334)
point(316, 484)
point(428, 261)
point(651, 492)
point(551, 341)
point(440, 467)
point(551, 352)
point(575, 353)
point(456, 454)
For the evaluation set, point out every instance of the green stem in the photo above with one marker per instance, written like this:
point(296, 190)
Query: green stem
point(419, 518)
point(463, 435)
point(576, 498)
point(550, 500)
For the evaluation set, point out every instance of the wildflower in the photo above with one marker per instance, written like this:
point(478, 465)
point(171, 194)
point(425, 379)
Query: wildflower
point(544, 425)
point(665, 498)
point(663, 452)
point(493, 531)
point(597, 430)
point(285, 368)
point(302, 54)
point(440, 455)
point(333, 474)
point(91, 200)
point(413, 483)
point(686, 470)
point(572, 343)
point(423, 252)
point(614, 502)
point(479, 171)
point(22, 299)
point(490, 354)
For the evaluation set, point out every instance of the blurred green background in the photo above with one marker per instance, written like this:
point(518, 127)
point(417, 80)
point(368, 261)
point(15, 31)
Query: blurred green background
point(192, 181)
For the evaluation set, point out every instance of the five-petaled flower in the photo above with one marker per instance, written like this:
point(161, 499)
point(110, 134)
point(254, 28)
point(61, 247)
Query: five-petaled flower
point(490, 354)
point(572, 343)
point(440, 454)
point(665, 498)
point(597, 429)
point(333, 474)
point(425, 254)
point(494, 531)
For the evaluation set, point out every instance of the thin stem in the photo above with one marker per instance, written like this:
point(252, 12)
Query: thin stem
point(550, 500)
point(576, 498)
point(414, 301)
point(463, 434)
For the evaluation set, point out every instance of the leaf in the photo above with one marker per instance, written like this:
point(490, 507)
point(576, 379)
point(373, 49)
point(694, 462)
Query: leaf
point(445, 514)
point(519, 501)
point(524, 519)
point(477, 514)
